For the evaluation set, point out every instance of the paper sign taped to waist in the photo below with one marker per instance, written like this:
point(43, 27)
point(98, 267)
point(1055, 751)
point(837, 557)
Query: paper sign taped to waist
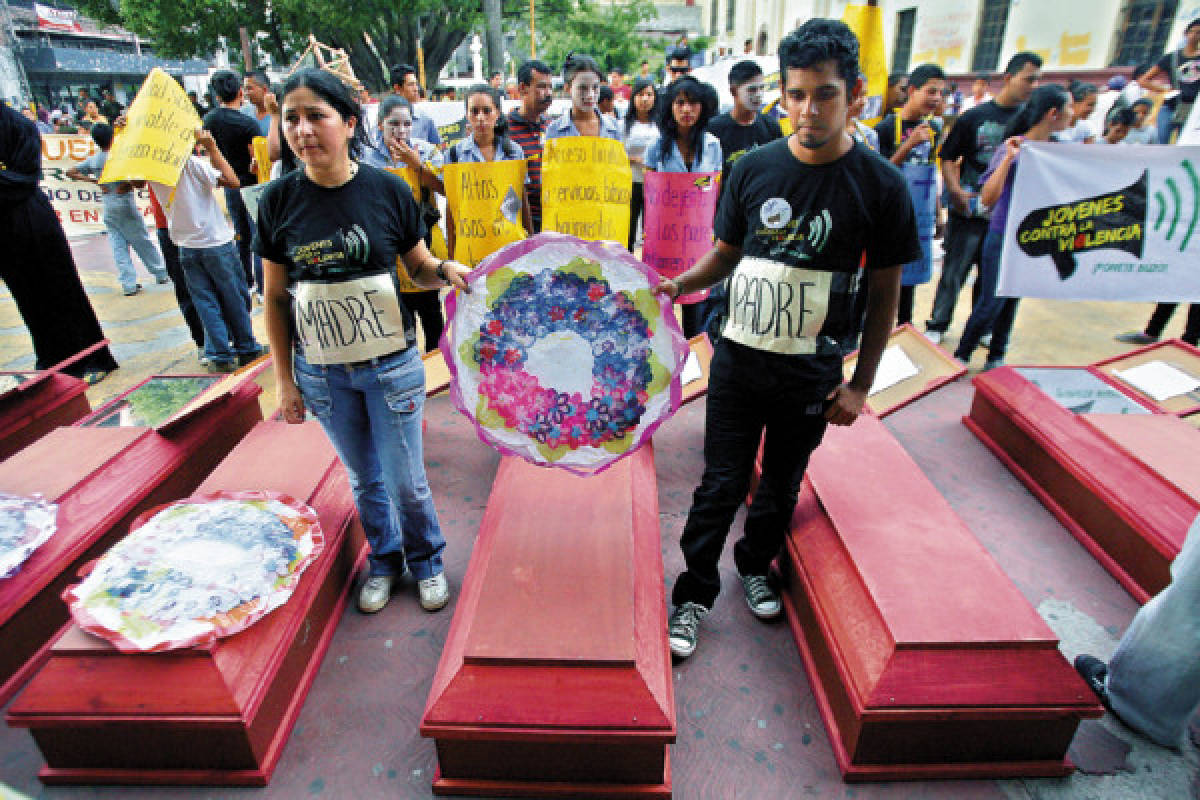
point(354, 320)
point(775, 307)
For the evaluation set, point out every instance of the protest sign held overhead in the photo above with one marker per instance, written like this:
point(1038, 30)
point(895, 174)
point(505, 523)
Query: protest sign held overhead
point(1084, 225)
point(158, 136)
point(586, 188)
point(867, 24)
point(679, 222)
point(486, 202)
point(77, 204)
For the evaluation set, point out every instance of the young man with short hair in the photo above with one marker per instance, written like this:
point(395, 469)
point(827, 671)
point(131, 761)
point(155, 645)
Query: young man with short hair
point(527, 126)
point(795, 220)
point(256, 88)
point(965, 155)
point(909, 138)
point(234, 133)
point(123, 220)
point(679, 63)
point(406, 84)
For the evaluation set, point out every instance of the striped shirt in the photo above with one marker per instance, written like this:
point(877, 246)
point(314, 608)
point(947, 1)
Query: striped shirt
point(529, 137)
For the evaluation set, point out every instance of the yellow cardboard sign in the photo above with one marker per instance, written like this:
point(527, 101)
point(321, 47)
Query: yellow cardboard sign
point(410, 177)
point(158, 136)
point(414, 185)
point(486, 201)
point(867, 24)
point(262, 158)
point(586, 188)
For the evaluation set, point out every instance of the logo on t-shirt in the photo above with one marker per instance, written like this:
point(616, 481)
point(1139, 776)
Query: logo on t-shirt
point(343, 251)
point(775, 213)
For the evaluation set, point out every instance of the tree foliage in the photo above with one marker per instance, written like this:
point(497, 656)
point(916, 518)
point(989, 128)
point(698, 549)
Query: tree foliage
point(186, 28)
point(602, 30)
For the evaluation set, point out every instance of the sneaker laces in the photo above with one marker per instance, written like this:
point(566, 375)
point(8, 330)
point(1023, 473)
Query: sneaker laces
point(758, 590)
point(686, 620)
point(377, 583)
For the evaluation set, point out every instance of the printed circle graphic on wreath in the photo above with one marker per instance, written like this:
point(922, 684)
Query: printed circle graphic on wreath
point(198, 569)
point(562, 354)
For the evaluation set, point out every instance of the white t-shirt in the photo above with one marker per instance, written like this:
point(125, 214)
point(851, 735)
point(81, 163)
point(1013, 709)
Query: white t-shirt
point(194, 217)
point(1081, 131)
point(641, 136)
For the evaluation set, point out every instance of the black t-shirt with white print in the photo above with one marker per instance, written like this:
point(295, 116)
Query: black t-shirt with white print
point(1183, 73)
point(327, 235)
point(805, 232)
point(974, 138)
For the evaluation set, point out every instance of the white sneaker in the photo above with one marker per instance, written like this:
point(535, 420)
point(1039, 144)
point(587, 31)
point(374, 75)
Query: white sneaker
point(934, 336)
point(375, 593)
point(762, 599)
point(434, 592)
point(683, 628)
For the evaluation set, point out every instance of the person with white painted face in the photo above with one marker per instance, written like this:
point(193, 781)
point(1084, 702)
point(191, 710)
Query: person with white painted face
point(582, 77)
point(745, 128)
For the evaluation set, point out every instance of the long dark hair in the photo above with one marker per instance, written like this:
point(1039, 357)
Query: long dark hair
point(325, 86)
point(695, 91)
point(501, 127)
point(1042, 101)
point(631, 113)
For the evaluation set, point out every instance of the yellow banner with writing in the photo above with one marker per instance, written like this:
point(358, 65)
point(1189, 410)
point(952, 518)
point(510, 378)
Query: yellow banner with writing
point(867, 24)
point(586, 187)
point(158, 136)
point(262, 158)
point(486, 200)
point(437, 238)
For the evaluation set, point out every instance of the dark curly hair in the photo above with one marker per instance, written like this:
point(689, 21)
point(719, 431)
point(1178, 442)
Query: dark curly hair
point(818, 41)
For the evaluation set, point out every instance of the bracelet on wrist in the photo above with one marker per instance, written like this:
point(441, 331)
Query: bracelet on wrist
point(441, 271)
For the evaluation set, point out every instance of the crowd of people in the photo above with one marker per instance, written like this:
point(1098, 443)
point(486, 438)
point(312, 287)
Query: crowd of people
point(334, 223)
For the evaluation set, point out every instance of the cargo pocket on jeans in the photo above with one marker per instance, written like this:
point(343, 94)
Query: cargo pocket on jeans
point(314, 388)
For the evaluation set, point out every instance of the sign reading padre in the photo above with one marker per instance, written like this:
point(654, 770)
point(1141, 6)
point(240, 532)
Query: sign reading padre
point(158, 136)
point(679, 222)
point(586, 187)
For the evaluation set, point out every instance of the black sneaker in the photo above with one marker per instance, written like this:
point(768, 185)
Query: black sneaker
point(1095, 673)
point(764, 602)
point(1136, 337)
point(683, 628)
point(222, 366)
point(245, 359)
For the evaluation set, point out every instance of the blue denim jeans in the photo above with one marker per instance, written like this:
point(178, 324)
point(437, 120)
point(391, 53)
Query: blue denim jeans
point(127, 228)
point(243, 225)
point(372, 412)
point(218, 289)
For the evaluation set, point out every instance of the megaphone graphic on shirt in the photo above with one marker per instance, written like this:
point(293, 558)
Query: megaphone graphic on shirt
point(1111, 221)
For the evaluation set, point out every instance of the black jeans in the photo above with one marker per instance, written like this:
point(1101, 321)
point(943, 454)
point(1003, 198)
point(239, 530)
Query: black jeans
point(179, 284)
point(637, 204)
point(964, 247)
point(746, 397)
point(1162, 315)
point(427, 306)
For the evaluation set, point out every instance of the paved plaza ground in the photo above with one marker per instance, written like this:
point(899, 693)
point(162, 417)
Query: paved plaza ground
point(747, 722)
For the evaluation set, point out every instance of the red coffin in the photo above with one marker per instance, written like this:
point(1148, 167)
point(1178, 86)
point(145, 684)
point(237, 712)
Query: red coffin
point(555, 680)
point(925, 659)
point(46, 401)
point(1114, 493)
point(216, 715)
point(101, 479)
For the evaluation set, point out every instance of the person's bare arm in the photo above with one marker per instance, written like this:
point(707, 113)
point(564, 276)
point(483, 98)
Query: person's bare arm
point(229, 178)
point(712, 267)
point(993, 187)
point(277, 308)
point(883, 295)
point(274, 134)
point(960, 198)
point(1150, 81)
point(74, 174)
point(424, 267)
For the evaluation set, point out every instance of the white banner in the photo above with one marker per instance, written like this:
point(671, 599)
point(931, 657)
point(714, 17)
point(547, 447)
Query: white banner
point(58, 19)
point(1104, 222)
point(77, 203)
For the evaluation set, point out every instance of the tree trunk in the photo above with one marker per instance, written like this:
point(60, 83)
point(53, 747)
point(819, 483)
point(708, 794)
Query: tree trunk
point(495, 37)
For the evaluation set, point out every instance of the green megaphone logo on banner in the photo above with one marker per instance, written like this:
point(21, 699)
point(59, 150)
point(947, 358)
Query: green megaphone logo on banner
point(1116, 220)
